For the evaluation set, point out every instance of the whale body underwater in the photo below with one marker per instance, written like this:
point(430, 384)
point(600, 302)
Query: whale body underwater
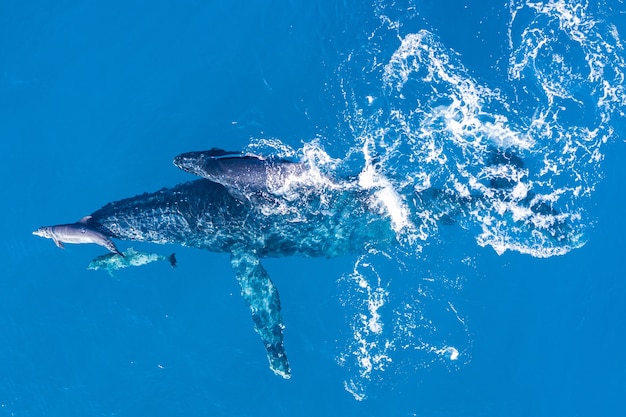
point(235, 209)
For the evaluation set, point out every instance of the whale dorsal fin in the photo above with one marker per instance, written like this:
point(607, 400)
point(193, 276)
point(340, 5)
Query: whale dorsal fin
point(259, 292)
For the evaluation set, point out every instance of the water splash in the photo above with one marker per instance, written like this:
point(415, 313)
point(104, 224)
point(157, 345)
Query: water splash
point(366, 294)
point(397, 328)
point(513, 164)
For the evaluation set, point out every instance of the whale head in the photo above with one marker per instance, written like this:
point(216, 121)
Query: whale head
point(192, 162)
point(45, 231)
point(199, 162)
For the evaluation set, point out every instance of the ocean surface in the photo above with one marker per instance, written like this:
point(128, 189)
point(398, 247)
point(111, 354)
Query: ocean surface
point(490, 135)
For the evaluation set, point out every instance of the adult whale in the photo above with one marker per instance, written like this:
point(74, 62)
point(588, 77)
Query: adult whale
point(241, 217)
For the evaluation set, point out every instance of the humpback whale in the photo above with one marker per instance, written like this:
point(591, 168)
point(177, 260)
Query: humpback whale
point(213, 213)
point(78, 232)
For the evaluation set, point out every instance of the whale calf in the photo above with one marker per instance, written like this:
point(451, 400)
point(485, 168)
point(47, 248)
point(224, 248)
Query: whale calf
point(78, 232)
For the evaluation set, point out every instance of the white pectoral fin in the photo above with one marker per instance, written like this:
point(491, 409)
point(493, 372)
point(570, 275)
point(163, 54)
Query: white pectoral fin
point(262, 297)
point(57, 242)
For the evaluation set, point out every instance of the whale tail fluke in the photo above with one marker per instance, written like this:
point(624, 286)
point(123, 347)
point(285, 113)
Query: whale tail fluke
point(172, 260)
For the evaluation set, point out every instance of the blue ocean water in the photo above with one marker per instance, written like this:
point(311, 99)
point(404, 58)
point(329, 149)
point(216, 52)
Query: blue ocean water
point(515, 309)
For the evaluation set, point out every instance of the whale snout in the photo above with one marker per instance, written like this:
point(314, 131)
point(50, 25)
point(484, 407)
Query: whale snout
point(42, 232)
point(187, 161)
point(178, 160)
point(193, 162)
point(198, 162)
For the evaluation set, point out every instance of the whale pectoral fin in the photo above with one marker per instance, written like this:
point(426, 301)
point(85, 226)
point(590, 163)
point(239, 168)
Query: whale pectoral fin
point(58, 242)
point(108, 243)
point(259, 292)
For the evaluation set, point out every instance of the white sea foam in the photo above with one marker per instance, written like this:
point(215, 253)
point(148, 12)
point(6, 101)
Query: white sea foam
point(448, 140)
point(514, 165)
